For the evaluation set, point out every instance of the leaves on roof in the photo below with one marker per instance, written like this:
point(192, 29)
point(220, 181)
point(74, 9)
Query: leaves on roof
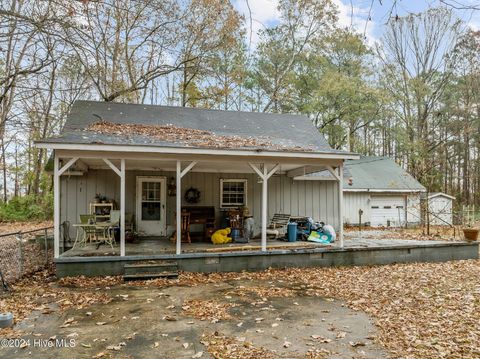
point(189, 137)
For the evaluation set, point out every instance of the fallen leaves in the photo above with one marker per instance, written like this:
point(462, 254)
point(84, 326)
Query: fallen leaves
point(187, 136)
point(220, 347)
point(207, 309)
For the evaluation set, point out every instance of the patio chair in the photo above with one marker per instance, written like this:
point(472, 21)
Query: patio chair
point(114, 224)
point(278, 224)
point(89, 232)
point(185, 229)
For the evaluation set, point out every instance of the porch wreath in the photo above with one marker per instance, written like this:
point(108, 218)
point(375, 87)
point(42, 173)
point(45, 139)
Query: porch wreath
point(192, 195)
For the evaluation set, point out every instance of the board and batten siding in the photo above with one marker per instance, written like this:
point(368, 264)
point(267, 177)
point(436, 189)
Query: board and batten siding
point(316, 199)
point(352, 203)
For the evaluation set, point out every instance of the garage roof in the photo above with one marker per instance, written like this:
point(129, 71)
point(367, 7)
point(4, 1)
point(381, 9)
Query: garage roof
point(376, 174)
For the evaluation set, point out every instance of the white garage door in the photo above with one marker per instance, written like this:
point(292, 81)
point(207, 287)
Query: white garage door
point(387, 210)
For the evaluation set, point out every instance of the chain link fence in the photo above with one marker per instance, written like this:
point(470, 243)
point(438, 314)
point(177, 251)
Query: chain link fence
point(22, 253)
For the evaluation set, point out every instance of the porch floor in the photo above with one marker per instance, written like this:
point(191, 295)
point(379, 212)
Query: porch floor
point(162, 245)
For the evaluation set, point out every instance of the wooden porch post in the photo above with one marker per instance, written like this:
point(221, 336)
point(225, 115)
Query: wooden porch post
point(340, 205)
point(56, 207)
point(264, 208)
point(179, 176)
point(122, 207)
point(264, 175)
point(57, 172)
point(179, 207)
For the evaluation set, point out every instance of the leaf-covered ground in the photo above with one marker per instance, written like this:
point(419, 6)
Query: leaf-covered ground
point(427, 310)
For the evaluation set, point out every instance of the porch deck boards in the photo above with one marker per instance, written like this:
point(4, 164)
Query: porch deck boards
point(162, 245)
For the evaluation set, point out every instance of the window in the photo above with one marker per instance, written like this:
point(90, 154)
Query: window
point(233, 192)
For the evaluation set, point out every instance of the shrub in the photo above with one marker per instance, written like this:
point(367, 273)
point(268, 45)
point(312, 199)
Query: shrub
point(27, 208)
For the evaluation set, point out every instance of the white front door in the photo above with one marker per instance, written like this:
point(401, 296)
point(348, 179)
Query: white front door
point(151, 193)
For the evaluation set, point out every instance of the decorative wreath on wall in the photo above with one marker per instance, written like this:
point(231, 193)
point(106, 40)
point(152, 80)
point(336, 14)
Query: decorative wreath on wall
point(192, 195)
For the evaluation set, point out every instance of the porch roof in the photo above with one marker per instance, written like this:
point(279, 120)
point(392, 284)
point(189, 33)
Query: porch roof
point(278, 135)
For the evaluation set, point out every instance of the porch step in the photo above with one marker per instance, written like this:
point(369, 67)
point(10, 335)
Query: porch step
point(150, 270)
point(158, 267)
point(145, 276)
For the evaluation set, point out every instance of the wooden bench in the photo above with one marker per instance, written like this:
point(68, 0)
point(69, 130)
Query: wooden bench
point(278, 224)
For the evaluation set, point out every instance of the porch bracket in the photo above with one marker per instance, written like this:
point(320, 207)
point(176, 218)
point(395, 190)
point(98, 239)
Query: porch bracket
point(187, 169)
point(67, 165)
point(113, 167)
point(333, 173)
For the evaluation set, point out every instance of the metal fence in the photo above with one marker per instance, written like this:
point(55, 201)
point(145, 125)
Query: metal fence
point(22, 253)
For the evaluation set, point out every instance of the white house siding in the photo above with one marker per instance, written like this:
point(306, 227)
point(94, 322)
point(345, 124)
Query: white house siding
point(317, 199)
point(354, 201)
point(440, 209)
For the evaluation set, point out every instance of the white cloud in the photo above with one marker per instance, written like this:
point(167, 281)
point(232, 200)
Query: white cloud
point(264, 13)
point(356, 17)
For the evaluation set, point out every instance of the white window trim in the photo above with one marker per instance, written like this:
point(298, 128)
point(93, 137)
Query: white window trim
point(245, 182)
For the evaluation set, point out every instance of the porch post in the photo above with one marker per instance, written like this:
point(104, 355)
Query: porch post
point(179, 207)
point(56, 207)
point(264, 175)
point(340, 205)
point(122, 207)
point(264, 207)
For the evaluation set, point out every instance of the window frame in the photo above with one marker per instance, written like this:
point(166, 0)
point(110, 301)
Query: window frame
point(245, 192)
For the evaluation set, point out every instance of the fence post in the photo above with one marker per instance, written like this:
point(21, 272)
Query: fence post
point(46, 246)
point(20, 253)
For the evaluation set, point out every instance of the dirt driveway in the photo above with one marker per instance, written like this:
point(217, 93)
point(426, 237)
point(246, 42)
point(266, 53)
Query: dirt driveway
point(226, 319)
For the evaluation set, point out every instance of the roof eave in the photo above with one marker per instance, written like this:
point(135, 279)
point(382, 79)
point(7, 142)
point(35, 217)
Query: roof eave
point(193, 150)
point(381, 190)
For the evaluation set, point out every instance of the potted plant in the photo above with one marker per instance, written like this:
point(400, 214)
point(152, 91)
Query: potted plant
point(470, 234)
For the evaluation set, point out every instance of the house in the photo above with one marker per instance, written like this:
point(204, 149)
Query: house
point(440, 208)
point(152, 161)
point(384, 192)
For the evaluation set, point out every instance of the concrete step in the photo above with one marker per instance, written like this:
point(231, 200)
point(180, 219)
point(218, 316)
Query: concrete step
point(157, 267)
point(146, 276)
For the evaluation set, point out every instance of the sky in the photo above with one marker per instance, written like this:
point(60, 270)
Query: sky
point(355, 13)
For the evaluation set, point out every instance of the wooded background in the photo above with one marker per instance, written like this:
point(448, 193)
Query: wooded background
point(413, 96)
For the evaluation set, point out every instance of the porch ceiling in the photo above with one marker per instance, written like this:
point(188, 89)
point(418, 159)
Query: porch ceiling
point(170, 165)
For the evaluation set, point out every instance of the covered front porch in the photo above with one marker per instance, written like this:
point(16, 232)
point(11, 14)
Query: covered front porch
point(271, 185)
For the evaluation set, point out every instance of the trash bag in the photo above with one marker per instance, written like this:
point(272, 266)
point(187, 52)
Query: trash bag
point(328, 229)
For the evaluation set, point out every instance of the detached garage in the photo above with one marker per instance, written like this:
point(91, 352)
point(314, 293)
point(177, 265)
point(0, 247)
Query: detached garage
point(386, 194)
point(377, 192)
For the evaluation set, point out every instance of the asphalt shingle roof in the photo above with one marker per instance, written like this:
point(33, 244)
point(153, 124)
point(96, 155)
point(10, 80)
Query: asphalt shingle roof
point(379, 173)
point(281, 130)
point(375, 173)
